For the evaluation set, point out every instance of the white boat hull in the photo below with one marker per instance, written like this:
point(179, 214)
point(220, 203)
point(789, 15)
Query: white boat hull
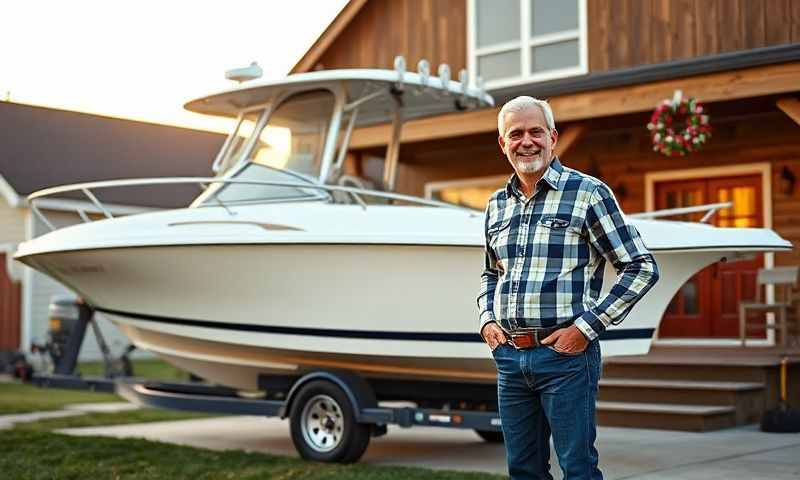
point(231, 312)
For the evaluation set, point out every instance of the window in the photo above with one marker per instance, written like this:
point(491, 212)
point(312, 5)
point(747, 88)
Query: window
point(513, 42)
point(469, 192)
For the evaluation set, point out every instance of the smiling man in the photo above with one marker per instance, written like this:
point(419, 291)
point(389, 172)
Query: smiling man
point(549, 233)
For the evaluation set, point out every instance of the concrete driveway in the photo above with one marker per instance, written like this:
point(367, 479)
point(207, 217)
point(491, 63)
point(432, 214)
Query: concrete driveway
point(625, 453)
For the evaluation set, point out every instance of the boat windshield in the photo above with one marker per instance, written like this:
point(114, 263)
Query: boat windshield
point(288, 148)
point(294, 137)
point(238, 193)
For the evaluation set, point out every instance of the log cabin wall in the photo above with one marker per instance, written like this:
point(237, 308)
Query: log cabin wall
point(618, 150)
point(621, 33)
point(626, 33)
point(416, 29)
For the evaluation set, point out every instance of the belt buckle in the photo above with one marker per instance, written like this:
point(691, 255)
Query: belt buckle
point(529, 341)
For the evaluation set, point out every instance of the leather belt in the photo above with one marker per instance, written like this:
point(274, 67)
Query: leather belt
point(532, 338)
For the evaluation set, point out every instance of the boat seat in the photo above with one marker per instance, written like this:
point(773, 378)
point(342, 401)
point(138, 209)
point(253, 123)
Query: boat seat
point(785, 308)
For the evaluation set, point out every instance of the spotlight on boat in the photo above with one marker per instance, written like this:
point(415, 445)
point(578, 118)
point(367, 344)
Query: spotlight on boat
point(244, 74)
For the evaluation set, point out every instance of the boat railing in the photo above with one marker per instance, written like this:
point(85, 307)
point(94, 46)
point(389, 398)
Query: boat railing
point(204, 182)
point(710, 209)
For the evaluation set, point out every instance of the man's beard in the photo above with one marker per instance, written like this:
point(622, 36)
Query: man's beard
point(531, 166)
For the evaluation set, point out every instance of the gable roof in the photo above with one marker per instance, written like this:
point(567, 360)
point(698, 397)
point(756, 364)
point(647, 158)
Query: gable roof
point(336, 27)
point(42, 147)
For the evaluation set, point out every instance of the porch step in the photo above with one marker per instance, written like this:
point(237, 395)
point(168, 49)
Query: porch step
point(745, 398)
point(680, 372)
point(680, 384)
point(668, 416)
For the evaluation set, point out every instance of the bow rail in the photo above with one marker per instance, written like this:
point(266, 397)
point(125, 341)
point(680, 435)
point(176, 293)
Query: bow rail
point(711, 209)
point(204, 182)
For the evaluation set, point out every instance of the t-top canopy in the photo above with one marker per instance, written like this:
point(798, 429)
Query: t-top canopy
point(422, 95)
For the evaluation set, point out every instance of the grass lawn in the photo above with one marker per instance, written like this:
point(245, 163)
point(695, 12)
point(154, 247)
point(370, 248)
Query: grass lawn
point(33, 451)
point(26, 454)
point(22, 398)
point(153, 369)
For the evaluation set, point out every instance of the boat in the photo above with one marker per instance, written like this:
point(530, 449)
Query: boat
point(285, 264)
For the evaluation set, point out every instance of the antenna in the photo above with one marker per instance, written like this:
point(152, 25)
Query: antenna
point(424, 70)
point(463, 99)
point(444, 77)
point(244, 74)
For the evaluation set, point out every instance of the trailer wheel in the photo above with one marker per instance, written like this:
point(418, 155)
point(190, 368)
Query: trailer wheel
point(491, 436)
point(323, 424)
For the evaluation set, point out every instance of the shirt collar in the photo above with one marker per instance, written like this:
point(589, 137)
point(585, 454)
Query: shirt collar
point(553, 177)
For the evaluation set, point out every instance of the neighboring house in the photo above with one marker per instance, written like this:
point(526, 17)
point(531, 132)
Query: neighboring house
point(604, 65)
point(43, 147)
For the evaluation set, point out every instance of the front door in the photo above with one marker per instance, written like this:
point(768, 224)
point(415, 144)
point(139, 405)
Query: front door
point(707, 304)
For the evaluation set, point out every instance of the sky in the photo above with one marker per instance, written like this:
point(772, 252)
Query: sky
point(144, 59)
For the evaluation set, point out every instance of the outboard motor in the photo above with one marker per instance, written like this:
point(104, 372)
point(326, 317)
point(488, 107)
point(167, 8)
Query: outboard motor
point(69, 318)
point(63, 319)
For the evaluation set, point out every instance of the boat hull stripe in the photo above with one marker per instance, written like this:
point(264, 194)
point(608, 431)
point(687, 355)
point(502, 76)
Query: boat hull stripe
point(616, 334)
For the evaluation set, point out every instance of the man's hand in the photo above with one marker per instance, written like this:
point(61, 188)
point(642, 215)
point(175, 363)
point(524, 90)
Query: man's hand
point(493, 335)
point(567, 340)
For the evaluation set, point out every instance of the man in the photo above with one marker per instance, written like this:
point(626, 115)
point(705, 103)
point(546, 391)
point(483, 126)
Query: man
point(549, 233)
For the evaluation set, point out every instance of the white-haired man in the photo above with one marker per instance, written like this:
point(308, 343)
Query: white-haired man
point(549, 233)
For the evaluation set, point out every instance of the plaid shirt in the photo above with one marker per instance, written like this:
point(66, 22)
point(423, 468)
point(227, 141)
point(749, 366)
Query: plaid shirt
point(545, 256)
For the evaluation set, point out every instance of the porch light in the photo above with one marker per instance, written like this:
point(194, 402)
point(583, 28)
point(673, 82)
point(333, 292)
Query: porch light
point(787, 181)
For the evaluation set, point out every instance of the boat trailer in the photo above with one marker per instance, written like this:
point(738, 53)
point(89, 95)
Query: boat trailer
point(333, 413)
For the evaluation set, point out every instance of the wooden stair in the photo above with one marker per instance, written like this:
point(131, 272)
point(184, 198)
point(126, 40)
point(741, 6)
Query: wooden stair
point(678, 404)
point(689, 391)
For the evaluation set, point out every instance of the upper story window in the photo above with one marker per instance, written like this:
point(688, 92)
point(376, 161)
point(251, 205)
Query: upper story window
point(513, 42)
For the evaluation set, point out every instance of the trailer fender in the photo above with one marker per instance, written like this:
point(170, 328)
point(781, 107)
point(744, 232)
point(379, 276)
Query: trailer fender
point(358, 391)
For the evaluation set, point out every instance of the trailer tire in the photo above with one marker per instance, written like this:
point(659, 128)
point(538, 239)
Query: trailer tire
point(323, 424)
point(491, 436)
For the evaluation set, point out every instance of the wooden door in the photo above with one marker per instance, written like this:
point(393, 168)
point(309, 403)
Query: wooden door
point(707, 304)
point(735, 282)
point(9, 310)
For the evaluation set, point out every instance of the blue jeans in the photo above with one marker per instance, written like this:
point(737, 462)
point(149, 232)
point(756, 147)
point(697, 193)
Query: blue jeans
point(541, 391)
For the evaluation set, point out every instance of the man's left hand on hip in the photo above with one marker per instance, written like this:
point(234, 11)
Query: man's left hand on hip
point(567, 340)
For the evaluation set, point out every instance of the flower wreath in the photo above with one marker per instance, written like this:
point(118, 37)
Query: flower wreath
point(668, 138)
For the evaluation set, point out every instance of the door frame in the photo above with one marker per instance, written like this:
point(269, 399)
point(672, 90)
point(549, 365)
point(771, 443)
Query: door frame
point(761, 168)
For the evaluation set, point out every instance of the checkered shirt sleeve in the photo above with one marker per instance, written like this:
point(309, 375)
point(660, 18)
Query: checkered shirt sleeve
point(488, 279)
point(620, 244)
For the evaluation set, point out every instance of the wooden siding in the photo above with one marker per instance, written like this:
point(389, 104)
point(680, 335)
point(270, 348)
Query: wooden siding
point(430, 29)
point(12, 223)
point(622, 33)
point(626, 33)
point(618, 150)
point(9, 310)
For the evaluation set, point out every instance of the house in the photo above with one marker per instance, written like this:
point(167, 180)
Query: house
point(605, 65)
point(43, 147)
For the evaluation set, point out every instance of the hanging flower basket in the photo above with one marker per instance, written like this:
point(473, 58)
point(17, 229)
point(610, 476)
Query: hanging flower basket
point(679, 127)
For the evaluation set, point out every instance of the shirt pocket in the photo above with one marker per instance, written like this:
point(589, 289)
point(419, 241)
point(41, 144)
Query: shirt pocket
point(558, 246)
